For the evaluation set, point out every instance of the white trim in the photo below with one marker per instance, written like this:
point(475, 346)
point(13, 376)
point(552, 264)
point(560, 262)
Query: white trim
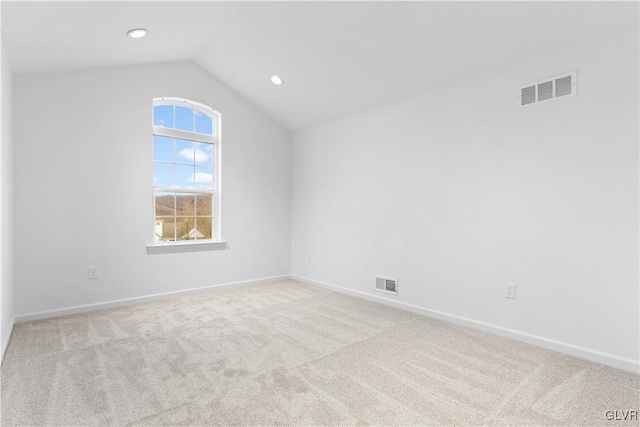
point(38, 315)
point(5, 342)
point(217, 179)
point(190, 246)
point(184, 135)
point(181, 190)
point(551, 344)
point(168, 100)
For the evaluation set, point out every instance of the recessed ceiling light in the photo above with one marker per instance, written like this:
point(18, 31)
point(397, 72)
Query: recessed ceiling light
point(277, 80)
point(137, 33)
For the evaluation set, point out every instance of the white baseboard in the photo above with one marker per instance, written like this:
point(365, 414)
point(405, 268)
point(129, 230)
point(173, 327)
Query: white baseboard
point(561, 347)
point(5, 341)
point(136, 300)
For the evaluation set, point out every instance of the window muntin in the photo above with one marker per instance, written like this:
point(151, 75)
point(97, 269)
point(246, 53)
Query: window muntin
point(185, 171)
point(185, 118)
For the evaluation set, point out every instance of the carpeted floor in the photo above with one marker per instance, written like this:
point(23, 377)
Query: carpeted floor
point(288, 353)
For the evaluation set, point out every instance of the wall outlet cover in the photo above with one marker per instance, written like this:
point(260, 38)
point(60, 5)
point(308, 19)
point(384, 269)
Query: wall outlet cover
point(509, 290)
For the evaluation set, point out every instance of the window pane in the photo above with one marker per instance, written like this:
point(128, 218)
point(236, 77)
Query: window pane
point(203, 178)
point(165, 204)
point(185, 204)
point(163, 115)
point(204, 154)
point(162, 175)
point(182, 164)
point(184, 118)
point(185, 228)
point(203, 227)
point(204, 123)
point(184, 151)
point(162, 148)
point(185, 176)
point(203, 204)
point(165, 229)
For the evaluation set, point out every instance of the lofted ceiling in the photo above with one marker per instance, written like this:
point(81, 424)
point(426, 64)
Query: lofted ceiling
point(336, 58)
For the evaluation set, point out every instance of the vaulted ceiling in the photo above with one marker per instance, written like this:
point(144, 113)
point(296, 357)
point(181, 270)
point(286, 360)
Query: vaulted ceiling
point(337, 58)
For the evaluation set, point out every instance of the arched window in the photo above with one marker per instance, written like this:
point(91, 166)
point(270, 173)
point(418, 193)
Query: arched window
point(186, 171)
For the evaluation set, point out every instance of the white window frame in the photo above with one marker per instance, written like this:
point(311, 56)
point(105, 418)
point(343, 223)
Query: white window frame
point(216, 241)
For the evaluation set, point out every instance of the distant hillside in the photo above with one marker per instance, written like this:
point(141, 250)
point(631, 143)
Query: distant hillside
point(185, 205)
point(192, 220)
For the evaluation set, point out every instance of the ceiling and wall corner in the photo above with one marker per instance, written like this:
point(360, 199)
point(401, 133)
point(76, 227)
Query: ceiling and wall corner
point(337, 58)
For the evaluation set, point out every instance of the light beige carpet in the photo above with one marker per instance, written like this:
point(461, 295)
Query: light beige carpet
point(286, 353)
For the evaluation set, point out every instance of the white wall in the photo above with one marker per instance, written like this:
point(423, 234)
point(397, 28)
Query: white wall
point(457, 191)
point(83, 178)
point(6, 210)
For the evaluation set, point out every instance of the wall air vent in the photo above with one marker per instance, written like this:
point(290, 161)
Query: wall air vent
point(387, 284)
point(546, 90)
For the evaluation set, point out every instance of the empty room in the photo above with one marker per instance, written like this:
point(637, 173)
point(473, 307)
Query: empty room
point(320, 213)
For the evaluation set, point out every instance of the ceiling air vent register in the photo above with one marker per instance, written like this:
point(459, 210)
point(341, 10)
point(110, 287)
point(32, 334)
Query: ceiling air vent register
point(551, 89)
point(387, 285)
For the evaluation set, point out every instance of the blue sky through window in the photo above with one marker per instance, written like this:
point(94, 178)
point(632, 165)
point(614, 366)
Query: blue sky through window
point(203, 154)
point(163, 115)
point(184, 151)
point(180, 163)
point(182, 118)
point(204, 123)
point(193, 163)
point(184, 176)
point(162, 148)
point(203, 178)
point(163, 175)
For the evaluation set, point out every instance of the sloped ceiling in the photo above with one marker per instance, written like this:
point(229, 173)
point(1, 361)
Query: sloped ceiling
point(337, 58)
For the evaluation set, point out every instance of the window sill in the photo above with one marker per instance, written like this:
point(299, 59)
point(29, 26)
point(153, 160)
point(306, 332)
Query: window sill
point(171, 248)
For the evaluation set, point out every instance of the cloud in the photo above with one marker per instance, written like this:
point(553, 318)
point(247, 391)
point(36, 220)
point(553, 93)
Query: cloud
point(201, 155)
point(186, 153)
point(201, 178)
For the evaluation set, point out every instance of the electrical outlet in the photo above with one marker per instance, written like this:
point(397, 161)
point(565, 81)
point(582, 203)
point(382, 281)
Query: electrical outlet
point(308, 257)
point(509, 290)
point(93, 273)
